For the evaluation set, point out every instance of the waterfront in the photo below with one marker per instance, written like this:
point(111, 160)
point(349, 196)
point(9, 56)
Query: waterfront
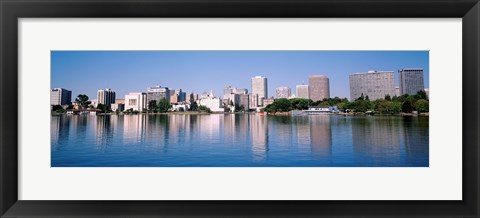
point(239, 140)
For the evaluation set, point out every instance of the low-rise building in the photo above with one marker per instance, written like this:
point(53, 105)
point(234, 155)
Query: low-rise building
point(137, 101)
point(214, 104)
point(321, 109)
point(118, 106)
point(180, 107)
point(267, 101)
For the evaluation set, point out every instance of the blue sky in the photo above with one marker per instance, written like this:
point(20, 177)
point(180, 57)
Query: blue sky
point(84, 72)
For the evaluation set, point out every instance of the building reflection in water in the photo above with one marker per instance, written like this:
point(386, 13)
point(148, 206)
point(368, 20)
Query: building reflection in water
point(376, 141)
point(236, 132)
point(281, 131)
point(259, 136)
point(209, 128)
point(134, 127)
point(229, 128)
point(104, 131)
point(416, 140)
point(59, 131)
point(321, 136)
point(302, 124)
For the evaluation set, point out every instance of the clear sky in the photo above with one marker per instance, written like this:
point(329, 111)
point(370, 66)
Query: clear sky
point(84, 72)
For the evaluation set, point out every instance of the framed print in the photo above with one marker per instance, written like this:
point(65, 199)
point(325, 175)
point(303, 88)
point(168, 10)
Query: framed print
point(226, 108)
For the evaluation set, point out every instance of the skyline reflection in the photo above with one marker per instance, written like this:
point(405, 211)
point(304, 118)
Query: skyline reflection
point(239, 140)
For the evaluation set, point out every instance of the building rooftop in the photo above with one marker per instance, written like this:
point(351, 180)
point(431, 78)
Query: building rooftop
point(372, 71)
point(319, 106)
point(410, 69)
point(319, 76)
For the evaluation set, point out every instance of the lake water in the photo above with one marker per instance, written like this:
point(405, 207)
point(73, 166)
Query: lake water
point(239, 140)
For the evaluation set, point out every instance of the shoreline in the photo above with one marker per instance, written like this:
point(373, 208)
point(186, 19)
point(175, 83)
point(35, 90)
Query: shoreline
point(265, 114)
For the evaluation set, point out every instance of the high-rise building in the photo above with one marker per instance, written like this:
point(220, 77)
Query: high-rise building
point(374, 84)
point(192, 97)
point(302, 91)
point(245, 102)
point(253, 98)
point(319, 87)
point(231, 90)
point(182, 96)
point(59, 96)
point(410, 80)
point(397, 91)
point(260, 87)
point(283, 92)
point(239, 100)
point(106, 97)
point(174, 99)
point(227, 91)
point(156, 93)
point(240, 91)
point(136, 101)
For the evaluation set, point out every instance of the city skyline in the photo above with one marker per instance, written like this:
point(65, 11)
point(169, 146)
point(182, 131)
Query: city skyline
point(85, 72)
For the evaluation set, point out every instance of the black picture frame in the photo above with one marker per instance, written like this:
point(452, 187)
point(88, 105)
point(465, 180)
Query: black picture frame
point(12, 10)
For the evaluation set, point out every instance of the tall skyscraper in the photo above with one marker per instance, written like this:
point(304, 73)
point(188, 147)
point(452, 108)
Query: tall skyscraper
point(182, 96)
point(410, 80)
point(106, 97)
point(259, 87)
point(319, 87)
point(302, 91)
point(374, 84)
point(156, 93)
point(59, 96)
point(283, 92)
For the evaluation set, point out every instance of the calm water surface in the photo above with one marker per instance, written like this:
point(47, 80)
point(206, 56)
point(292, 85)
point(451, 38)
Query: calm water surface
point(238, 140)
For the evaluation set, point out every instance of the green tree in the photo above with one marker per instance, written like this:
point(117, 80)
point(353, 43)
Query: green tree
point(382, 106)
point(282, 104)
point(300, 103)
point(82, 100)
point(341, 105)
point(204, 108)
point(421, 95)
point(324, 103)
point(388, 98)
point(193, 106)
point(361, 97)
point(102, 107)
point(163, 105)
point(396, 107)
point(422, 105)
point(58, 109)
point(152, 106)
point(407, 107)
point(271, 108)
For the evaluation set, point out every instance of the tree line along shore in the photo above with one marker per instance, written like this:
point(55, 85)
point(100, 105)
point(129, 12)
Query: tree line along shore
point(396, 105)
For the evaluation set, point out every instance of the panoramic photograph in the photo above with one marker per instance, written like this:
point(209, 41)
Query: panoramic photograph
point(237, 108)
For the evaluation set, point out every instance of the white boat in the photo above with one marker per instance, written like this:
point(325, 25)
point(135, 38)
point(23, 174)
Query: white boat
point(320, 110)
